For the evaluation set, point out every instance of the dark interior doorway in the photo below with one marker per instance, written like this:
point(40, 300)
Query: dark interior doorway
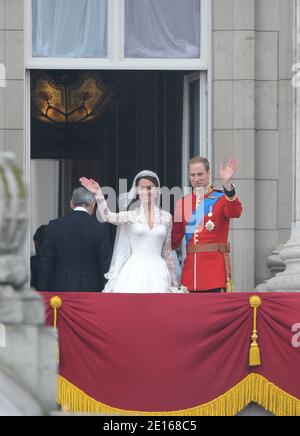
point(107, 125)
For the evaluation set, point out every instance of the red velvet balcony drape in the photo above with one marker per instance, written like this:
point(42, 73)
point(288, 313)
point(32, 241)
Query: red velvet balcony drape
point(178, 354)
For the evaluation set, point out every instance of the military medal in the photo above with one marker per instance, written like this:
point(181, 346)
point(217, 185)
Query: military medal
point(210, 225)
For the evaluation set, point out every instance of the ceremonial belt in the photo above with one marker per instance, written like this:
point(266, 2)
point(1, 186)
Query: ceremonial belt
point(216, 248)
point(208, 248)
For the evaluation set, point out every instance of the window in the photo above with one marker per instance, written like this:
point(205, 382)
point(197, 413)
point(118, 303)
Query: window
point(162, 29)
point(117, 34)
point(194, 111)
point(196, 123)
point(69, 28)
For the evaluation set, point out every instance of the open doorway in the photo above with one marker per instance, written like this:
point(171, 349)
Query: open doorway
point(108, 125)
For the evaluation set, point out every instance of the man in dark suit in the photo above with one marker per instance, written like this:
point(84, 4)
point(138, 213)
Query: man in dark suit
point(35, 260)
point(76, 249)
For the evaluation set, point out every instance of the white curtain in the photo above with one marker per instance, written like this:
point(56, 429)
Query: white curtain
point(69, 28)
point(162, 28)
point(44, 191)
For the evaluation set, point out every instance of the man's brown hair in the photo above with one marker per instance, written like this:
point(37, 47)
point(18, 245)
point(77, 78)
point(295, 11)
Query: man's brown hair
point(199, 159)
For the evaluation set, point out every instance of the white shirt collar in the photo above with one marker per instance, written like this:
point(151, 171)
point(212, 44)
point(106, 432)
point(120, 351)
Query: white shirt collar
point(80, 209)
point(207, 190)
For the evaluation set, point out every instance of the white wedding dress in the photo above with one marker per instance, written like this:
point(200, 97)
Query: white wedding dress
point(149, 266)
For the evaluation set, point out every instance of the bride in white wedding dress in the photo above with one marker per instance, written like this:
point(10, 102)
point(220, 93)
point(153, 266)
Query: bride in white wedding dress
point(142, 260)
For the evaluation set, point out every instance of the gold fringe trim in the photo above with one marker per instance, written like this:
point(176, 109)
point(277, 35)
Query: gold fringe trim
point(254, 388)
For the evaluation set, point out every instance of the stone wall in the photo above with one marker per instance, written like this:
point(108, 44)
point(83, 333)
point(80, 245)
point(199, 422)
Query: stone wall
point(28, 364)
point(12, 96)
point(252, 120)
point(28, 361)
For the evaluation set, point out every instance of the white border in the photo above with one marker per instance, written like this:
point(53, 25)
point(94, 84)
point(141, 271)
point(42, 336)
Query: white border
point(116, 59)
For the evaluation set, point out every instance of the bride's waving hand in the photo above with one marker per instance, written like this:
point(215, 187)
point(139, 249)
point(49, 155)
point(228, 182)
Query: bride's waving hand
point(106, 215)
point(90, 184)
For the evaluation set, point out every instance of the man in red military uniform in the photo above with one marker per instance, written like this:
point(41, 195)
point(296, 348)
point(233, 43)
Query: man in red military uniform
point(203, 217)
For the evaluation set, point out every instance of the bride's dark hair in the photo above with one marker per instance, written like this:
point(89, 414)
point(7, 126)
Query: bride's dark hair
point(150, 179)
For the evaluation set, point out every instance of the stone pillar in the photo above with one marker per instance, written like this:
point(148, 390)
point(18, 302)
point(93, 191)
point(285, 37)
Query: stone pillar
point(11, 95)
point(289, 280)
point(27, 347)
point(233, 89)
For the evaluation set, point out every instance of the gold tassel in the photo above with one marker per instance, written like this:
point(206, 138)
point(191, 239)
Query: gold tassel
point(228, 269)
point(229, 285)
point(254, 353)
point(56, 303)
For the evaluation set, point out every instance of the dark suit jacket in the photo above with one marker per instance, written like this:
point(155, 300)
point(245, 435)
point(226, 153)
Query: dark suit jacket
point(77, 250)
point(35, 266)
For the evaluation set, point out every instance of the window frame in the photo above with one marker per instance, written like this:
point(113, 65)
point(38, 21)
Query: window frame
point(116, 59)
point(204, 121)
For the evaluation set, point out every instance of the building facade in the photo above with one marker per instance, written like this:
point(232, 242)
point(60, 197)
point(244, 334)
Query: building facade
point(235, 98)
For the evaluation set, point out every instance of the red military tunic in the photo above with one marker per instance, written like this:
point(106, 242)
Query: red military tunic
point(204, 271)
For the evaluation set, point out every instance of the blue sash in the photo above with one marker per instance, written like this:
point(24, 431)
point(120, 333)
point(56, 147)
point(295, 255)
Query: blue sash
point(199, 213)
